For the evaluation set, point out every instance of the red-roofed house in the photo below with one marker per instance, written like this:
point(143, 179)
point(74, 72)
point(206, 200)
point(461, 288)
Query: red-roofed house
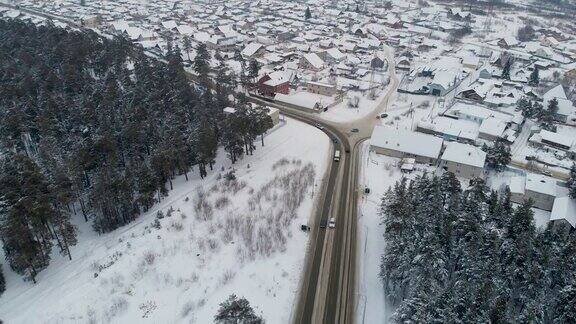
point(276, 82)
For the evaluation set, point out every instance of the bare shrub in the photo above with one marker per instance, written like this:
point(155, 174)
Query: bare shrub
point(424, 104)
point(170, 211)
point(227, 277)
point(280, 163)
point(201, 244)
point(117, 306)
point(177, 226)
point(230, 176)
point(187, 309)
point(147, 308)
point(149, 257)
point(202, 207)
point(297, 162)
point(222, 202)
point(213, 244)
point(91, 315)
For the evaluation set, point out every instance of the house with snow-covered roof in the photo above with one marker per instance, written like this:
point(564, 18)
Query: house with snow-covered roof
point(332, 56)
point(276, 82)
point(443, 81)
point(402, 143)
point(551, 139)
point(565, 106)
point(492, 129)
point(563, 215)
point(311, 61)
point(542, 190)
point(464, 160)
point(507, 42)
point(379, 60)
point(450, 129)
point(252, 50)
point(324, 89)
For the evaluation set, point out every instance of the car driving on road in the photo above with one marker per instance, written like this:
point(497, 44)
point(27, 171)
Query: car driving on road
point(332, 223)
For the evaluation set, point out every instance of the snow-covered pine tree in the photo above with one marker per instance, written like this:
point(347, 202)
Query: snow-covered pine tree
point(534, 79)
point(2, 280)
point(236, 310)
point(572, 181)
point(498, 156)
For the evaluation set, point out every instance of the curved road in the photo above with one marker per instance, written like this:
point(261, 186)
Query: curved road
point(328, 287)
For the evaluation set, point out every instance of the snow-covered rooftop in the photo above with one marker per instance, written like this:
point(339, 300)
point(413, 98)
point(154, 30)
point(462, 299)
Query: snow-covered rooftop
point(464, 154)
point(493, 126)
point(564, 208)
point(314, 60)
point(541, 183)
point(251, 49)
point(406, 141)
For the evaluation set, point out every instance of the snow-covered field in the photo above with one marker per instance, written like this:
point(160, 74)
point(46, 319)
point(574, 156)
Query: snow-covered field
point(342, 112)
point(215, 237)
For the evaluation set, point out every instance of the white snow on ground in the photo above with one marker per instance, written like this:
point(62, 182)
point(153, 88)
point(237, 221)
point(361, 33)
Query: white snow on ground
point(201, 254)
point(378, 172)
point(342, 112)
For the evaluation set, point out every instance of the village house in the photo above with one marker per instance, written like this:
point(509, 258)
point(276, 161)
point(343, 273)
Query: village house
point(464, 160)
point(443, 82)
point(252, 50)
point(274, 114)
point(321, 88)
point(565, 106)
point(541, 189)
point(379, 61)
point(402, 143)
point(311, 61)
point(332, 56)
point(449, 129)
point(299, 101)
point(276, 82)
point(548, 138)
point(492, 129)
point(508, 42)
point(563, 215)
